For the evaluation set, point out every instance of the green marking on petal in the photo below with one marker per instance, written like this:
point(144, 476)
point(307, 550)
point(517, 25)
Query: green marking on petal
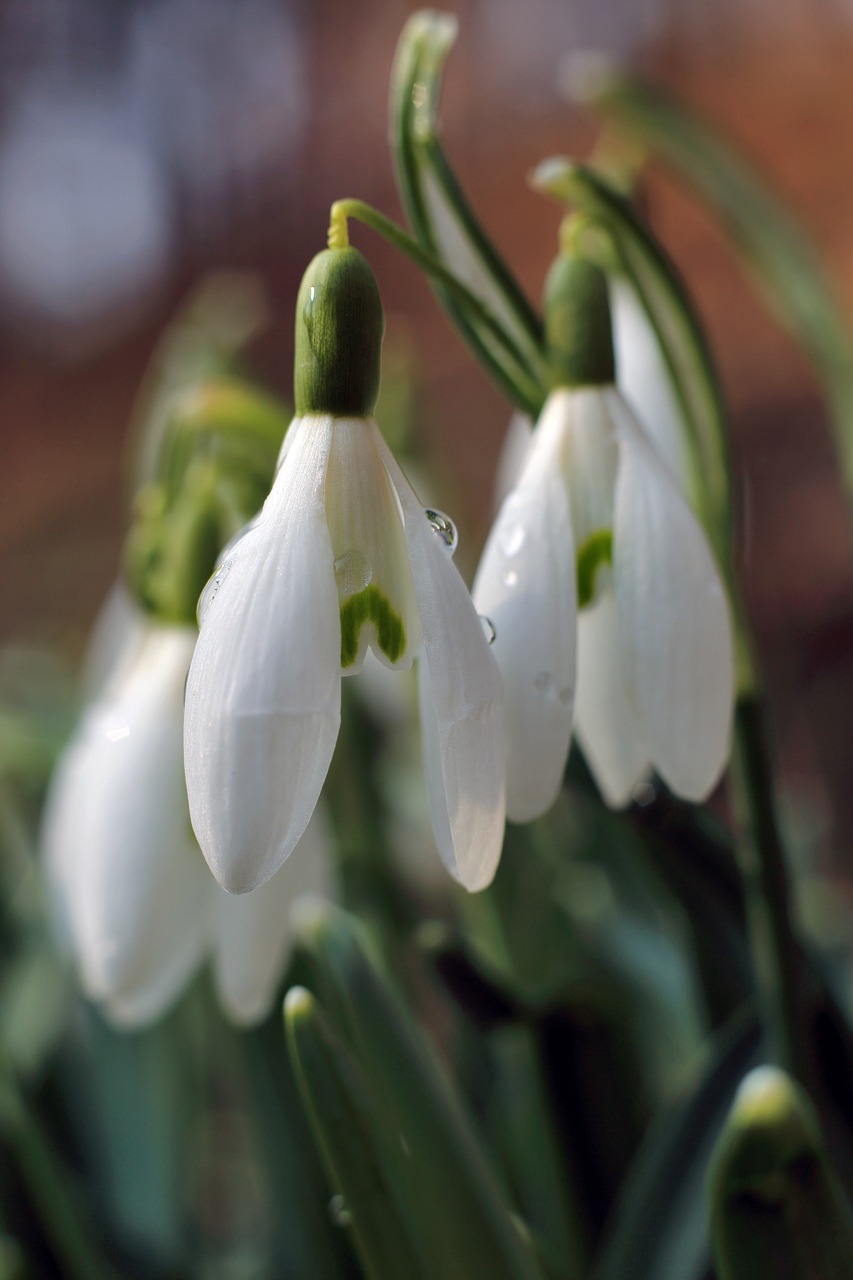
point(371, 605)
point(596, 551)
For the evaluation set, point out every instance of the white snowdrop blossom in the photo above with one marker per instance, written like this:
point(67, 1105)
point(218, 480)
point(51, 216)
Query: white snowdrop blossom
point(608, 610)
point(135, 904)
point(343, 557)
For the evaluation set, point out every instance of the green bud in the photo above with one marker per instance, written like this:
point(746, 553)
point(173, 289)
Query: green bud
point(779, 1212)
point(339, 325)
point(578, 335)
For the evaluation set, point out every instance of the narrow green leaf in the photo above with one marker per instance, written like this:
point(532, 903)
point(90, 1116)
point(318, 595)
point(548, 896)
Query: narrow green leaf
point(443, 220)
point(464, 1226)
point(659, 1230)
point(779, 1212)
point(336, 1098)
point(675, 322)
point(775, 250)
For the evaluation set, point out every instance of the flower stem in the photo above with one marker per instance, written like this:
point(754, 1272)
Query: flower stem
point(776, 948)
point(528, 389)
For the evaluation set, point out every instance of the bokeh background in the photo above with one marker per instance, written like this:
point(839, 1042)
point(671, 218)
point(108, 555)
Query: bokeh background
point(145, 143)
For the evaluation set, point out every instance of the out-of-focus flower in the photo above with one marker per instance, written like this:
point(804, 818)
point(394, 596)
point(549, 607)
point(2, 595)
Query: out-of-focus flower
point(342, 557)
point(134, 902)
point(597, 575)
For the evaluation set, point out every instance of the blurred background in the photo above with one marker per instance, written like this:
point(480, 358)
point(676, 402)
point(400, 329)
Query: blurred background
point(145, 143)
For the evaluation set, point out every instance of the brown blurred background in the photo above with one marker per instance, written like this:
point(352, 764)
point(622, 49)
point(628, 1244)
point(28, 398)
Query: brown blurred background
point(143, 143)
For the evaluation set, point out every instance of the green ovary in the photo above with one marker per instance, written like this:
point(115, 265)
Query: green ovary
point(595, 552)
point(371, 605)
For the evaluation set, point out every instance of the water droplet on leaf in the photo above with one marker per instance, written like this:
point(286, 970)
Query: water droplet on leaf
point(444, 528)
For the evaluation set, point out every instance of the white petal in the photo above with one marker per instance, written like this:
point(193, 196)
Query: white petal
point(513, 455)
point(138, 906)
point(525, 585)
point(606, 721)
point(263, 694)
point(644, 380)
point(253, 930)
point(465, 758)
point(369, 547)
point(590, 457)
point(673, 618)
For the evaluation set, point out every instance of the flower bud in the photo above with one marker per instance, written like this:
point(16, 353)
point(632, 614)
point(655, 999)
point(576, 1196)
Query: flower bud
point(339, 325)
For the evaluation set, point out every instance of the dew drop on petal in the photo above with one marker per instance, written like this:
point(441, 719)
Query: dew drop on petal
point(443, 528)
point(353, 572)
point(205, 600)
point(510, 578)
point(488, 628)
point(339, 1214)
point(643, 794)
point(512, 538)
point(546, 685)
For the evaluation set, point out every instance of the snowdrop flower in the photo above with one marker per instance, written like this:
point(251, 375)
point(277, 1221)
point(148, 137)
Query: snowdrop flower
point(135, 905)
point(342, 557)
point(607, 604)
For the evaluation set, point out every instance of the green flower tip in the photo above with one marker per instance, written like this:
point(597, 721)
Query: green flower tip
point(339, 325)
point(771, 1131)
point(578, 333)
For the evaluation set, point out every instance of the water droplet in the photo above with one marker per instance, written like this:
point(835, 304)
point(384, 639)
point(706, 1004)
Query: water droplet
point(444, 528)
point(311, 293)
point(510, 578)
point(339, 1214)
point(214, 583)
point(353, 572)
point(643, 794)
point(546, 684)
point(512, 538)
point(488, 628)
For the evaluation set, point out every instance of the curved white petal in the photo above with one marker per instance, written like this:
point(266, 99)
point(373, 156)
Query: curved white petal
point(253, 930)
point(263, 694)
point(465, 757)
point(513, 455)
point(138, 902)
point(525, 585)
point(673, 618)
point(606, 721)
point(644, 380)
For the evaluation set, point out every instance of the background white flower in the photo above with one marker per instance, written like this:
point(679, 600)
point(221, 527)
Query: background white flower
point(135, 904)
point(599, 518)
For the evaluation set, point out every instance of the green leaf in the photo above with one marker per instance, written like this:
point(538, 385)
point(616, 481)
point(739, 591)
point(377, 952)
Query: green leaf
point(336, 1098)
point(659, 1230)
point(779, 1212)
point(451, 1194)
point(775, 250)
point(443, 220)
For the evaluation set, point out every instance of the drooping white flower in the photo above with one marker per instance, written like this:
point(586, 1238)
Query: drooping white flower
point(342, 557)
point(598, 541)
point(136, 907)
